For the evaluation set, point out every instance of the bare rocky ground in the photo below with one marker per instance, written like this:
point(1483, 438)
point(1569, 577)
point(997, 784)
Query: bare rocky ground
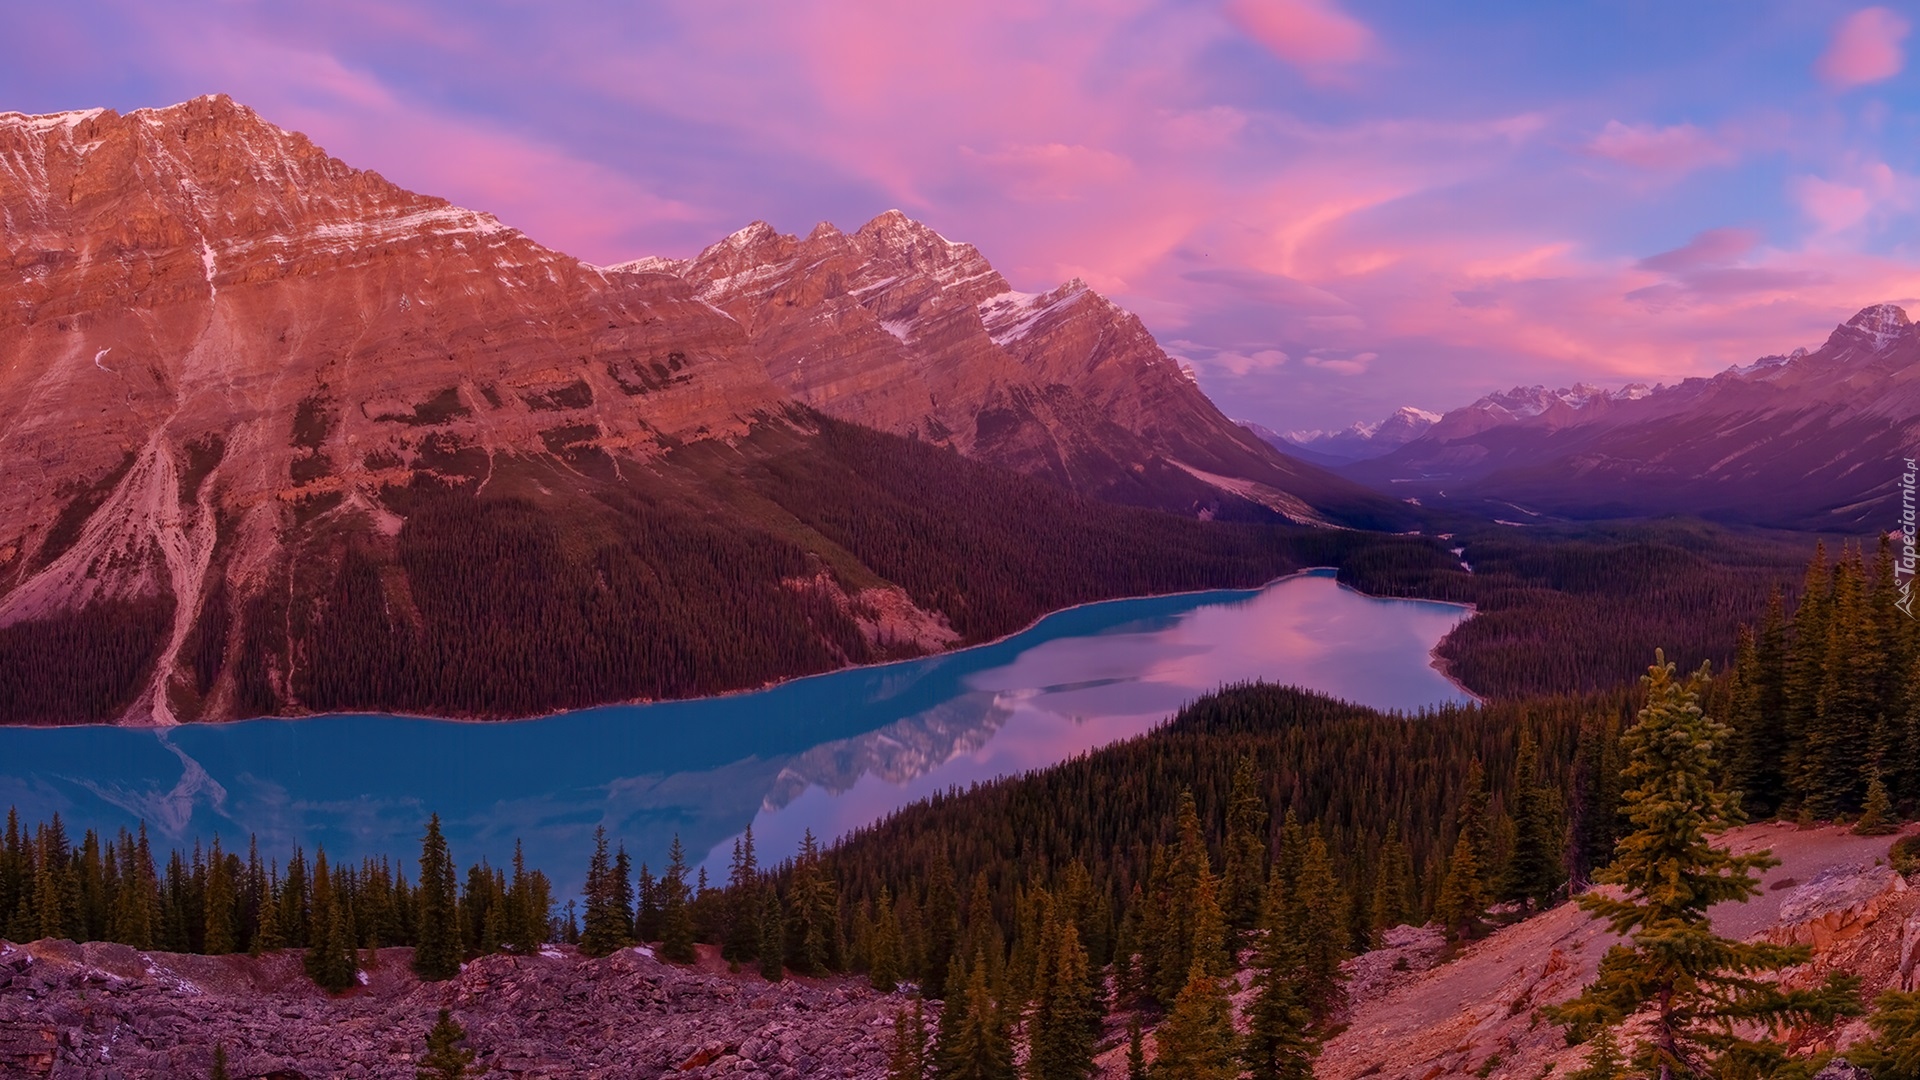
point(1478, 1013)
point(107, 1012)
point(1418, 1010)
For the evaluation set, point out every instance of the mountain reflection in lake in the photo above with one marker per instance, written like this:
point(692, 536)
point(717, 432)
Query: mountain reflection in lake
point(828, 753)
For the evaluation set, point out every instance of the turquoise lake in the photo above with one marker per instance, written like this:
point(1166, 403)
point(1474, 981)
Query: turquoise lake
point(828, 753)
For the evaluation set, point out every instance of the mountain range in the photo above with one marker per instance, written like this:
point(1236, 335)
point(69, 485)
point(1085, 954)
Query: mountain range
point(241, 380)
point(1808, 440)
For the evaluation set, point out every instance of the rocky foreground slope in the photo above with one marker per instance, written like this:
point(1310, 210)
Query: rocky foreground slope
point(1417, 1011)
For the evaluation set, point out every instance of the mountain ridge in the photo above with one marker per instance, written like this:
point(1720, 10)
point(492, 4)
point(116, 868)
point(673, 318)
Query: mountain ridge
point(1789, 440)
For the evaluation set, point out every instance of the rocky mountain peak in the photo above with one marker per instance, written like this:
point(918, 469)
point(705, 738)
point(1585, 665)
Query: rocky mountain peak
point(1879, 325)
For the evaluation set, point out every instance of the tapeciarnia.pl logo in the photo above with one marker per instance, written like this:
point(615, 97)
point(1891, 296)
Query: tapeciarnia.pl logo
point(1903, 569)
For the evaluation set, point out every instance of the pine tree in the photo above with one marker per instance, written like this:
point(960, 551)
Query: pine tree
point(1317, 929)
point(943, 927)
point(1278, 1045)
point(883, 953)
point(605, 928)
point(1759, 717)
point(1536, 869)
point(977, 1046)
point(813, 914)
point(446, 1057)
point(1136, 1050)
point(330, 960)
point(633, 921)
point(1390, 905)
point(1894, 1051)
point(1604, 1059)
point(1245, 870)
point(773, 938)
point(908, 1061)
point(1196, 1040)
point(1699, 985)
point(676, 916)
point(1461, 902)
point(219, 1069)
point(742, 941)
point(1064, 1018)
point(1476, 821)
point(437, 955)
point(1876, 817)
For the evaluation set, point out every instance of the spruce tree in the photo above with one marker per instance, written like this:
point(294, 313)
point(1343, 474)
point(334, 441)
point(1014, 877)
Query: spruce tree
point(883, 952)
point(1196, 1040)
point(978, 1045)
point(218, 1071)
point(330, 960)
point(1462, 903)
point(1244, 873)
point(1064, 1018)
point(1390, 905)
point(1702, 988)
point(1876, 817)
point(1604, 1059)
point(1536, 869)
point(942, 925)
point(1278, 1045)
point(742, 939)
point(1314, 905)
point(605, 928)
point(676, 915)
point(1136, 1049)
point(447, 1058)
point(773, 938)
point(1894, 1051)
point(222, 932)
point(437, 954)
point(908, 1060)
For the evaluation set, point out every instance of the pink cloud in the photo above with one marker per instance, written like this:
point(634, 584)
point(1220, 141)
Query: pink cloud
point(1314, 35)
point(1713, 247)
point(1865, 49)
point(1678, 148)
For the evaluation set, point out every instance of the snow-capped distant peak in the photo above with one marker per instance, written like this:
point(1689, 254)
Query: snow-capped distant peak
point(1882, 323)
point(648, 264)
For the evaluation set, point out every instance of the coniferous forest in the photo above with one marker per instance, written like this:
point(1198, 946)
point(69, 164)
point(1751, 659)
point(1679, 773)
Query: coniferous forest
point(1262, 825)
point(559, 588)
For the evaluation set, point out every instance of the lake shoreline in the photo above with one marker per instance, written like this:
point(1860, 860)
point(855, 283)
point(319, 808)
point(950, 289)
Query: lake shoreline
point(1435, 661)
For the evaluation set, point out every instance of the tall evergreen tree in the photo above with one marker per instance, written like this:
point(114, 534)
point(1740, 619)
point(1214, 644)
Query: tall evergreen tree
point(605, 928)
point(1759, 719)
point(1245, 870)
point(908, 1059)
point(942, 926)
point(1462, 903)
point(1196, 1040)
point(1703, 988)
point(742, 941)
point(1063, 1021)
point(978, 1046)
point(773, 935)
point(1536, 869)
point(676, 915)
point(437, 954)
point(883, 950)
point(1279, 1045)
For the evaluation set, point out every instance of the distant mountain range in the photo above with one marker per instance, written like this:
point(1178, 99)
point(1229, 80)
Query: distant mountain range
point(1810, 440)
point(1350, 444)
point(241, 380)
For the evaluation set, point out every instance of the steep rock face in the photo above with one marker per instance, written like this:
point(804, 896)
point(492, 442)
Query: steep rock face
point(1811, 439)
point(896, 327)
point(210, 329)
